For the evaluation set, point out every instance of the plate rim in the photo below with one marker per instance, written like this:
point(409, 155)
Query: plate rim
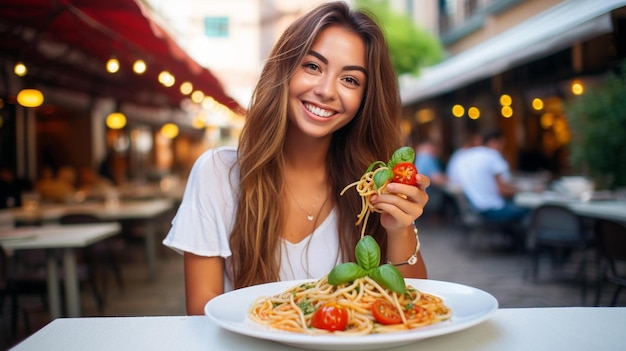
point(296, 339)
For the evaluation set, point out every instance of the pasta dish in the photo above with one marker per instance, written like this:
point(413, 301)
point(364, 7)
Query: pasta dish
point(357, 308)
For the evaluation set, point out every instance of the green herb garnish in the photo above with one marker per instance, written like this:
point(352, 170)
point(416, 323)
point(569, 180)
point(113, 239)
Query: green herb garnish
point(367, 263)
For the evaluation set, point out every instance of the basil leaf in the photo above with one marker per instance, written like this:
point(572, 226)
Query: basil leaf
point(367, 253)
point(380, 178)
point(374, 164)
point(403, 154)
point(390, 277)
point(345, 272)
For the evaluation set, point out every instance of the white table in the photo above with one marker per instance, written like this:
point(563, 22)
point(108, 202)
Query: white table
point(145, 211)
point(65, 238)
point(605, 209)
point(537, 329)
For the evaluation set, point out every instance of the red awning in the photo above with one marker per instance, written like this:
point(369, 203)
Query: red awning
point(65, 43)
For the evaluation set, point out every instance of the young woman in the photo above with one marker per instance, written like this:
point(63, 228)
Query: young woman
point(326, 106)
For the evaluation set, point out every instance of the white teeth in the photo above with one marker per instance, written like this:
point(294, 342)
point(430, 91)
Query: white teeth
point(318, 111)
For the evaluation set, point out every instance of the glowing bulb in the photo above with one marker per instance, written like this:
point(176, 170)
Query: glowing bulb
point(30, 98)
point(140, 67)
point(577, 88)
point(20, 69)
point(116, 120)
point(473, 113)
point(506, 111)
point(458, 111)
point(505, 100)
point(537, 104)
point(113, 65)
point(167, 79)
point(197, 96)
point(186, 88)
point(169, 130)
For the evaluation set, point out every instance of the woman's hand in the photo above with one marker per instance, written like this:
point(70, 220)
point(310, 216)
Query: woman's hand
point(399, 212)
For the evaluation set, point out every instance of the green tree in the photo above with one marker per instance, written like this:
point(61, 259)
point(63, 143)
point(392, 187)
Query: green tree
point(598, 124)
point(410, 46)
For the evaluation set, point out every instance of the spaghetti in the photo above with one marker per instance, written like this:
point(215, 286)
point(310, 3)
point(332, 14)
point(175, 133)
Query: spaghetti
point(293, 309)
point(366, 187)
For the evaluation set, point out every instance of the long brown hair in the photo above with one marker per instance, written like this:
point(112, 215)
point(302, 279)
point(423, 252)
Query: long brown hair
point(373, 134)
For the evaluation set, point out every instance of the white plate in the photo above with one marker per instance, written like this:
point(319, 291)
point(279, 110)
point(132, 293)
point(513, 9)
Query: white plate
point(470, 306)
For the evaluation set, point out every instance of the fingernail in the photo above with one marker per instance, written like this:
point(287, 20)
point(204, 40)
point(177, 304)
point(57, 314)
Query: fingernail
point(391, 187)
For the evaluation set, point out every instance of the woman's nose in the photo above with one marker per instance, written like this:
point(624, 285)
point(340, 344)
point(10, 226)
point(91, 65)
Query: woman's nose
point(326, 88)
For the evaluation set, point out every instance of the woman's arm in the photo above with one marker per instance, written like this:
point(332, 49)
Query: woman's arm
point(204, 279)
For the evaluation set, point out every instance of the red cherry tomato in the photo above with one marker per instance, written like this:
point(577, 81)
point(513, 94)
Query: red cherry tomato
point(385, 313)
point(405, 173)
point(331, 316)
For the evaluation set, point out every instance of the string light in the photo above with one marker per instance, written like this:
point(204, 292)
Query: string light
point(20, 69)
point(186, 88)
point(537, 104)
point(139, 66)
point(505, 100)
point(506, 111)
point(166, 78)
point(473, 113)
point(458, 111)
point(577, 88)
point(113, 65)
point(169, 130)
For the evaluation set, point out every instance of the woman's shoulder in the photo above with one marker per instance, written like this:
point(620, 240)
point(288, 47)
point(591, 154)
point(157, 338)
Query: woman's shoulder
point(222, 156)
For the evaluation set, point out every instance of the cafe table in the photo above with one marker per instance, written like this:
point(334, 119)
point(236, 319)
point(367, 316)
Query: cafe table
point(598, 209)
point(145, 211)
point(65, 238)
point(511, 329)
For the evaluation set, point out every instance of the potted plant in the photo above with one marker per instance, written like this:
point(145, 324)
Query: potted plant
point(598, 124)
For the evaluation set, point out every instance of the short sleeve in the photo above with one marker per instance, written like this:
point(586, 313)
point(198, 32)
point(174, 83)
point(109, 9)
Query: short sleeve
point(204, 220)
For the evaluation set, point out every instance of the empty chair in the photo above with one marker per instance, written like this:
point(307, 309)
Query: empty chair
point(610, 240)
point(556, 230)
point(472, 221)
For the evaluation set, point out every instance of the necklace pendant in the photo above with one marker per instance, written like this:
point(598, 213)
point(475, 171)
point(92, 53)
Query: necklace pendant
point(309, 217)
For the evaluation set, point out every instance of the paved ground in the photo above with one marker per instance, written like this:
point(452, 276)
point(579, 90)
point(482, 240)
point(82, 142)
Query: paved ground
point(482, 261)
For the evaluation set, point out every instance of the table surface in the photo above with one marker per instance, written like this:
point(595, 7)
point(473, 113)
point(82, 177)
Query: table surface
point(58, 236)
point(564, 328)
point(131, 209)
point(607, 209)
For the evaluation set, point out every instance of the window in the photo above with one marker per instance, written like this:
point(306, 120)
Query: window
point(216, 27)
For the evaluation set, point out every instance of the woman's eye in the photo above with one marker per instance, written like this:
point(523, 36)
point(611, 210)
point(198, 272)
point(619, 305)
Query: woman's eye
point(352, 81)
point(311, 66)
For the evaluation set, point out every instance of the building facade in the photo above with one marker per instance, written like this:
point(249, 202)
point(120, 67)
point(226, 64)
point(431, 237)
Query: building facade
point(514, 65)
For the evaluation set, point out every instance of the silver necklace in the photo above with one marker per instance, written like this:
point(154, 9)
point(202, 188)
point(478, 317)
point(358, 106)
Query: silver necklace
point(309, 214)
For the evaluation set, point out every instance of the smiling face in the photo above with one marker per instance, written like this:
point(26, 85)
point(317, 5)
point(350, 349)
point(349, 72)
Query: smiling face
point(326, 91)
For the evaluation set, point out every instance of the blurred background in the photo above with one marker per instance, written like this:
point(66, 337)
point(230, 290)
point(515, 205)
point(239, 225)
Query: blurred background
point(119, 97)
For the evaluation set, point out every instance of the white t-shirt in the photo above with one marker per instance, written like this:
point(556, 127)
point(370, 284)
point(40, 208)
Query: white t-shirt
point(475, 170)
point(204, 222)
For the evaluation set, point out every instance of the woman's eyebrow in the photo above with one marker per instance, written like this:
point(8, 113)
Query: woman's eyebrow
point(345, 68)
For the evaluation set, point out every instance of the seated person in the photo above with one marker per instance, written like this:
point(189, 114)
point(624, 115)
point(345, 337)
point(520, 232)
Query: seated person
point(427, 163)
point(56, 189)
point(485, 180)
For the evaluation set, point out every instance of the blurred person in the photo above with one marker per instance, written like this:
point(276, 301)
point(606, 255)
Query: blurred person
point(485, 178)
point(59, 188)
point(93, 184)
point(326, 106)
point(452, 170)
point(428, 163)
